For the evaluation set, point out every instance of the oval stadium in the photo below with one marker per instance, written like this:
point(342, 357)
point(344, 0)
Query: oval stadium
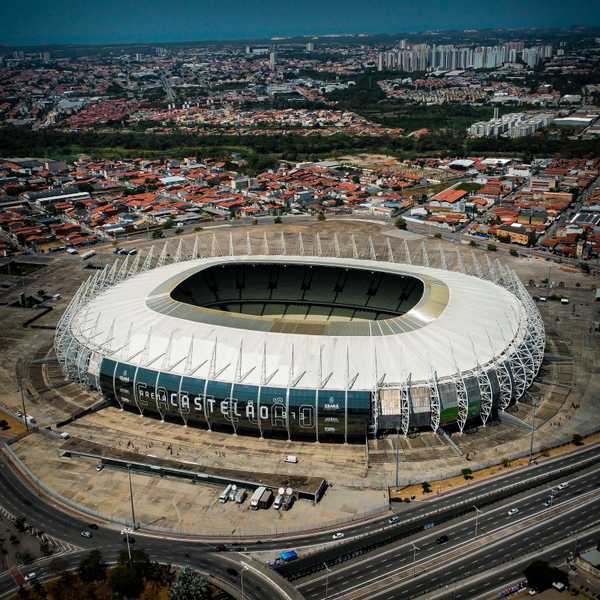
point(307, 347)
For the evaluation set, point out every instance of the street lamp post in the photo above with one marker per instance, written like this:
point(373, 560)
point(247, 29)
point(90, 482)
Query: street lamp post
point(415, 548)
point(477, 511)
point(20, 368)
point(532, 431)
point(131, 497)
point(397, 456)
point(244, 569)
point(326, 580)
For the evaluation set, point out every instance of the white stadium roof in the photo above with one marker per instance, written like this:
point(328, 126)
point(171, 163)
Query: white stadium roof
point(460, 322)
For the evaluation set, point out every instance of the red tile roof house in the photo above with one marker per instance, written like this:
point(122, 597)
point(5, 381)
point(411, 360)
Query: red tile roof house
point(451, 199)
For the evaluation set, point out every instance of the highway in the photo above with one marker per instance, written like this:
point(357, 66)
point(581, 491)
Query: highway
point(357, 578)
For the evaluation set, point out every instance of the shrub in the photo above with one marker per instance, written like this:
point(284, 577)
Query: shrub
point(513, 252)
point(400, 223)
point(277, 220)
point(492, 247)
point(321, 216)
point(437, 236)
point(426, 487)
point(472, 243)
point(577, 439)
point(467, 474)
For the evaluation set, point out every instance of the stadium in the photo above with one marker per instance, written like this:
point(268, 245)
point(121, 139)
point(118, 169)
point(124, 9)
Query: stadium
point(304, 343)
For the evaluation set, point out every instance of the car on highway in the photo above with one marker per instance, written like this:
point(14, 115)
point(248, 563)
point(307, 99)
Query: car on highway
point(442, 539)
point(512, 511)
point(86, 534)
point(563, 485)
point(92, 526)
point(99, 467)
point(337, 536)
point(30, 576)
point(393, 519)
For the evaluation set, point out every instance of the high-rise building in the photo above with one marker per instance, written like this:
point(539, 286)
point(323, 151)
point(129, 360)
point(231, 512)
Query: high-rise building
point(273, 59)
point(310, 46)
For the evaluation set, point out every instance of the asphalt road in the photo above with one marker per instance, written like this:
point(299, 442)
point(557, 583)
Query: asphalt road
point(383, 563)
point(492, 557)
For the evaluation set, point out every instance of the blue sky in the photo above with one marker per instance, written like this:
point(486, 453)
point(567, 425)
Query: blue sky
point(124, 21)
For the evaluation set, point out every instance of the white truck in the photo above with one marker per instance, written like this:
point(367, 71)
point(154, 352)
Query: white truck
point(255, 500)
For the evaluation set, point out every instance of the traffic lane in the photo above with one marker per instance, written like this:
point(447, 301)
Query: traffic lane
point(490, 557)
point(428, 546)
point(427, 542)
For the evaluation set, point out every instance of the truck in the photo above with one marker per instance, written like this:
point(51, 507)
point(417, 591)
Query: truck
point(288, 555)
point(255, 500)
point(225, 494)
point(266, 499)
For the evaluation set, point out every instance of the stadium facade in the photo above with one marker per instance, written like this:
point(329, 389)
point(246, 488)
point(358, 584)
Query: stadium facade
point(294, 339)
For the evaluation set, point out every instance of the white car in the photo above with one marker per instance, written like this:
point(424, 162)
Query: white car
point(563, 485)
point(337, 536)
point(86, 534)
point(30, 576)
point(512, 511)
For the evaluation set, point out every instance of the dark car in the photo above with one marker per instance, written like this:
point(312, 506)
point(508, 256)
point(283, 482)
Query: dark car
point(92, 526)
point(442, 539)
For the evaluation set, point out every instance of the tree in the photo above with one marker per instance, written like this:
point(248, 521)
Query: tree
point(321, 216)
point(92, 568)
point(491, 247)
point(190, 586)
point(577, 439)
point(400, 223)
point(126, 581)
point(513, 252)
point(277, 220)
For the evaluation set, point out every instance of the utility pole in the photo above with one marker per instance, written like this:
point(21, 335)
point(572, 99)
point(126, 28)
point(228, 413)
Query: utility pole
point(397, 456)
point(477, 511)
point(131, 497)
point(327, 569)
